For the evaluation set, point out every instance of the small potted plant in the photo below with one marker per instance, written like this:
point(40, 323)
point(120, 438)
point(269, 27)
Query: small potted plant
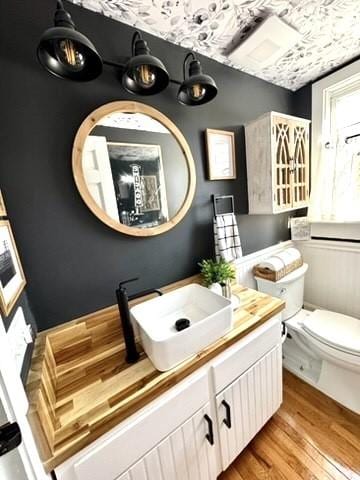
point(217, 275)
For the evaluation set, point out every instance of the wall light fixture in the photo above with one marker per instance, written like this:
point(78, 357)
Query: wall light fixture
point(67, 53)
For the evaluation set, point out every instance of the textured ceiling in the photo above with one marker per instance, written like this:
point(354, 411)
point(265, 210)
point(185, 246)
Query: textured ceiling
point(329, 29)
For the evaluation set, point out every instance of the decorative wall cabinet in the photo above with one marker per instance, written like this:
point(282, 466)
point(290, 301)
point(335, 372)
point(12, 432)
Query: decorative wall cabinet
point(196, 429)
point(277, 158)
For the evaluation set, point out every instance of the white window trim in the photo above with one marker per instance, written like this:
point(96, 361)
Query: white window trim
point(321, 90)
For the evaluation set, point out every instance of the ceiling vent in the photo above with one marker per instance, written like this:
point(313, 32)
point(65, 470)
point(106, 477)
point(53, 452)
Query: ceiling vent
point(270, 41)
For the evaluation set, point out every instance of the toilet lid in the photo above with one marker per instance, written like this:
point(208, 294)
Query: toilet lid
point(335, 329)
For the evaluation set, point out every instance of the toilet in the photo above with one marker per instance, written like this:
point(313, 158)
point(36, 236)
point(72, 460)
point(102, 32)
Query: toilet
point(321, 347)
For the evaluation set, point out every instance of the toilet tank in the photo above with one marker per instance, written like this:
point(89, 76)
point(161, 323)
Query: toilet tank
point(290, 289)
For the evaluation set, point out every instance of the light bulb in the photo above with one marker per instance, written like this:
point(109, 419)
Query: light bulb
point(144, 76)
point(67, 53)
point(197, 92)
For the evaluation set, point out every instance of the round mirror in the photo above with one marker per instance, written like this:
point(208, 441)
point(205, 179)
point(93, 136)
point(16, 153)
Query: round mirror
point(134, 168)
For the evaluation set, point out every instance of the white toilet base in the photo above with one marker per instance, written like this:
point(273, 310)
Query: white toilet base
point(302, 358)
point(341, 385)
point(323, 348)
point(300, 364)
point(347, 399)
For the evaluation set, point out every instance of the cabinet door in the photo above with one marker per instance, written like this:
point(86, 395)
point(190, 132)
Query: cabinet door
point(187, 454)
point(248, 403)
point(300, 146)
point(282, 163)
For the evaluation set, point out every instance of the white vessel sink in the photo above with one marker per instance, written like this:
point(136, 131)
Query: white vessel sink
point(210, 318)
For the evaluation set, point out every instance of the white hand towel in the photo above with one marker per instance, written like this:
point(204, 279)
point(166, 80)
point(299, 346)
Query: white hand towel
point(227, 239)
point(289, 255)
point(274, 264)
point(285, 256)
point(294, 252)
point(281, 259)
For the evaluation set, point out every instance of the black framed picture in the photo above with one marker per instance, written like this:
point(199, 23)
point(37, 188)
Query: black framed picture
point(139, 182)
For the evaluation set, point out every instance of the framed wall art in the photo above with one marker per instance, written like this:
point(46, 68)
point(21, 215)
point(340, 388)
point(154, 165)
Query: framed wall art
point(12, 279)
point(220, 145)
point(2, 206)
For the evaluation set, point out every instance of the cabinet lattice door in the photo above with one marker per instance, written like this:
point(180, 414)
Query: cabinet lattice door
point(300, 141)
point(186, 454)
point(283, 165)
point(277, 158)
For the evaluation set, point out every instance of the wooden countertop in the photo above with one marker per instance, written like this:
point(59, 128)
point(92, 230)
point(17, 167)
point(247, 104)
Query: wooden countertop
point(80, 386)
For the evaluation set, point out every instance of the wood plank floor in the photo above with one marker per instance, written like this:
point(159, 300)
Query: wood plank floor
point(310, 437)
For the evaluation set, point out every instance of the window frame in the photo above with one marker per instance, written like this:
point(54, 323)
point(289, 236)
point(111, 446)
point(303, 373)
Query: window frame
point(323, 91)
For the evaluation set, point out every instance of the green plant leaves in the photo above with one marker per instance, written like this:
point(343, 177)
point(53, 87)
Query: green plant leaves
point(216, 272)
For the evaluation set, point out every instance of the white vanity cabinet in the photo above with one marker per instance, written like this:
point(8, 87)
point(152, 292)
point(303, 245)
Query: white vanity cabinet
point(177, 426)
point(247, 380)
point(198, 427)
point(277, 160)
point(186, 454)
point(248, 403)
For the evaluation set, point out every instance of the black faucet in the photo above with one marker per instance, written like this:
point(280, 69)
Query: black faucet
point(132, 355)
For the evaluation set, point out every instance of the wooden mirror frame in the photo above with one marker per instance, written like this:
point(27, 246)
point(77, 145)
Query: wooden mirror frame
point(85, 129)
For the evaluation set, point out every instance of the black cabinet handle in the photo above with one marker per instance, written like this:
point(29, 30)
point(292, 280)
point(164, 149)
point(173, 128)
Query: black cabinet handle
point(10, 437)
point(210, 435)
point(227, 420)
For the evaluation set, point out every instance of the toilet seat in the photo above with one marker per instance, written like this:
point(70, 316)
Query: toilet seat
point(338, 331)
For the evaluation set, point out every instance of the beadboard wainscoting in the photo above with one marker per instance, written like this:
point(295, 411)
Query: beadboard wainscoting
point(244, 265)
point(332, 281)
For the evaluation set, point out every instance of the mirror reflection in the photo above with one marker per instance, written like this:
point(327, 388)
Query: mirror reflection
point(135, 169)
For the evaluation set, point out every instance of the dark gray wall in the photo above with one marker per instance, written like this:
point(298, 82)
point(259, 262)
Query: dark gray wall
point(302, 102)
point(72, 261)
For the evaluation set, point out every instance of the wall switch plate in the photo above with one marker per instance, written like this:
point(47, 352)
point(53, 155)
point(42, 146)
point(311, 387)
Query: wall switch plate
point(19, 335)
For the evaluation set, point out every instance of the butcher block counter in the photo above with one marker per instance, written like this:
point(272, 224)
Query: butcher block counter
point(80, 386)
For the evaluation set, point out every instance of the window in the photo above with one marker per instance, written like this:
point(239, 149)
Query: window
point(335, 198)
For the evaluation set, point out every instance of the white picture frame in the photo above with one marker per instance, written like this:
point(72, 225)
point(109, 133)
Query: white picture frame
point(3, 212)
point(220, 146)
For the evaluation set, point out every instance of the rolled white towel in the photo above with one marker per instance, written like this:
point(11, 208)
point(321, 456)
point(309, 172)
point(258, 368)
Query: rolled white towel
point(286, 257)
point(281, 259)
point(294, 253)
point(274, 264)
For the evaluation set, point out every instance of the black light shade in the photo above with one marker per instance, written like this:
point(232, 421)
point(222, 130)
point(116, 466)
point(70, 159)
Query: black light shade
point(197, 88)
point(66, 53)
point(143, 73)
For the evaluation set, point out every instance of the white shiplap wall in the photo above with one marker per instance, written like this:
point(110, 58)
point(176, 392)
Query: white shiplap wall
point(333, 279)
